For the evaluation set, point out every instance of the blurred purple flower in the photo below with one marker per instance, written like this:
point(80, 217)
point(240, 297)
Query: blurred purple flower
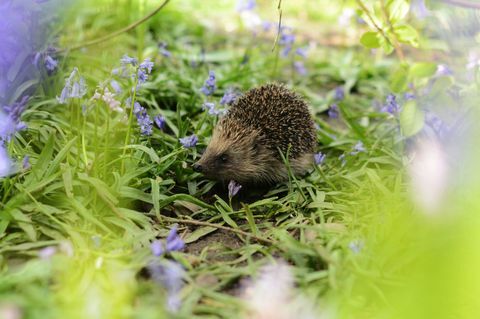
point(10, 118)
point(391, 106)
point(419, 9)
point(319, 158)
point(339, 93)
point(75, 87)
point(26, 162)
point(246, 5)
point(443, 70)
point(173, 243)
point(210, 84)
point(168, 274)
point(189, 141)
point(229, 97)
point(333, 111)
point(162, 48)
point(233, 188)
point(359, 147)
point(47, 252)
point(210, 106)
point(267, 25)
point(5, 162)
point(356, 246)
point(300, 67)
point(302, 52)
point(342, 159)
point(147, 65)
point(160, 121)
point(409, 96)
point(125, 60)
point(116, 86)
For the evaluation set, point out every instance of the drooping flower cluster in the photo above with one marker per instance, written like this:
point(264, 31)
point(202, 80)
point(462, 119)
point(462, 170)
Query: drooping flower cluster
point(210, 84)
point(160, 122)
point(210, 106)
point(333, 111)
point(391, 106)
point(168, 273)
point(45, 60)
point(172, 243)
point(189, 141)
point(339, 93)
point(229, 97)
point(75, 87)
point(109, 98)
point(143, 119)
point(319, 158)
point(233, 188)
point(10, 119)
point(359, 147)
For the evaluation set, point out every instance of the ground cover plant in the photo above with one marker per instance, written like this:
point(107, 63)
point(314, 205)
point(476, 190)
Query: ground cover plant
point(105, 105)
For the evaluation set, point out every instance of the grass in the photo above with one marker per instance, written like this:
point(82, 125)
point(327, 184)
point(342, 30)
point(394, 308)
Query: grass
point(100, 192)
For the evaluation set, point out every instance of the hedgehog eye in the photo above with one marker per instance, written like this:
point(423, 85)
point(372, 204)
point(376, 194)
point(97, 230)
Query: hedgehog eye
point(223, 158)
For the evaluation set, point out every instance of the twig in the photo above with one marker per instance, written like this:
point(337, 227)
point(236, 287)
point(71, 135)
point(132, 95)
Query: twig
point(233, 230)
point(396, 43)
point(463, 3)
point(118, 32)
point(279, 24)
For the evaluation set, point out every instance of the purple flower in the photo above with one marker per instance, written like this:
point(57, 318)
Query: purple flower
point(50, 63)
point(302, 52)
point(162, 48)
point(47, 252)
point(300, 67)
point(75, 87)
point(285, 51)
point(173, 243)
point(189, 141)
point(287, 38)
point(246, 5)
point(409, 96)
point(210, 84)
point(419, 9)
point(229, 97)
point(267, 25)
point(125, 60)
point(391, 105)
point(359, 147)
point(116, 86)
point(5, 162)
point(233, 188)
point(443, 70)
point(26, 162)
point(160, 121)
point(147, 65)
point(319, 158)
point(143, 119)
point(333, 111)
point(168, 274)
point(211, 108)
point(339, 93)
point(10, 119)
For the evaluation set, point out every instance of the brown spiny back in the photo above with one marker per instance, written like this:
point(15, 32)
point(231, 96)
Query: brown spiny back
point(280, 115)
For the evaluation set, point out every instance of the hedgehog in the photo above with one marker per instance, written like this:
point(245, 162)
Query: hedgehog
point(263, 128)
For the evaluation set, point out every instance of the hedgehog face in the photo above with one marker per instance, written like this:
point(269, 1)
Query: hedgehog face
point(232, 156)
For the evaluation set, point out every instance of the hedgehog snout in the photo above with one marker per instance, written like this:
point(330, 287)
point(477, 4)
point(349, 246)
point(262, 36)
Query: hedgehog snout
point(197, 167)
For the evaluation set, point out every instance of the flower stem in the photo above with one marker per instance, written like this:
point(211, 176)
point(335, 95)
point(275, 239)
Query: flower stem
point(130, 120)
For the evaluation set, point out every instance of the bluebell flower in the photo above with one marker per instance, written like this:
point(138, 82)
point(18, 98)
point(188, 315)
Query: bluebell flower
point(162, 48)
point(333, 111)
point(75, 87)
point(302, 52)
point(409, 96)
point(233, 188)
point(142, 76)
point(300, 67)
point(210, 106)
point(391, 106)
point(246, 5)
point(229, 97)
point(285, 51)
point(16, 109)
point(168, 274)
point(173, 243)
point(189, 141)
point(26, 162)
point(287, 38)
point(267, 25)
point(146, 65)
point(359, 147)
point(116, 86)
point(143, 119)
point(443, 70)
point(125, 60)
point(339, 93)
point(210, 84)
point(50, 63)
point(319, 158)
point(10, 119)
point(5, 162)
point(160, 121)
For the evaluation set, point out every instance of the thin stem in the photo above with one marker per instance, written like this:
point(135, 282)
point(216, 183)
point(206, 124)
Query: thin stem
point(279, 8)
point(118, 32)
point(396, 43)
point(130, 120)
point(233, 230)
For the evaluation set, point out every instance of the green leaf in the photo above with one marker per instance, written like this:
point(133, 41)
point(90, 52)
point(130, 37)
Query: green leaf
point(397, 9)
point(370, 40)
point(407, 34)
point(423, 70)
point(399, 80)
point(199, 233)
point(411, 119)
